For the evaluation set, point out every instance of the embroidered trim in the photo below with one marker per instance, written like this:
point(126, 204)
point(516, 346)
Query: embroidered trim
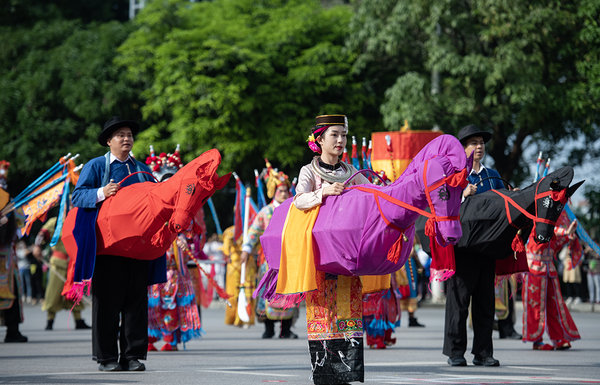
point(328, 177)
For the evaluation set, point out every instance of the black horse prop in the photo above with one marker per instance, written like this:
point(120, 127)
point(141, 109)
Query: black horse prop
point(497, 223)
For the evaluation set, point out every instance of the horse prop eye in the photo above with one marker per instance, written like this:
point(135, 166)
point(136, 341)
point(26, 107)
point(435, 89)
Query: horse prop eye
point(542, 239)
point(443, 193)
point(189, 189)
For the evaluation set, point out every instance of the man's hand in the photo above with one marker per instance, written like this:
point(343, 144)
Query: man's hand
point(471, 189)
point(110, 189)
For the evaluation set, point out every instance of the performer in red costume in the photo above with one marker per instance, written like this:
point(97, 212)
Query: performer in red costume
point(543, 304)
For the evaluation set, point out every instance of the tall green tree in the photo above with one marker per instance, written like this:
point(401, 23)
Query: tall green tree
point(525, 70)
point(58, 87)
point(244, 76)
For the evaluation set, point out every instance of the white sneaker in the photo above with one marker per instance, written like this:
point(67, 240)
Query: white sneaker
point(569, 300)
point(577, 301)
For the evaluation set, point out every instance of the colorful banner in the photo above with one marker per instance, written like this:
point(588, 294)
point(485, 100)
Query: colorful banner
point(394, 150)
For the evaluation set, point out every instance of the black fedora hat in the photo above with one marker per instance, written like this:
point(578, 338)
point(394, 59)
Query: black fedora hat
point(114, 124)
point(472, 130)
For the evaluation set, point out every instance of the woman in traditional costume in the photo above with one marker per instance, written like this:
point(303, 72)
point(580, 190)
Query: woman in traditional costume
point(544, 308)
point(278, 188)
point(334, 310)
point(232, 250)
point(173, 315)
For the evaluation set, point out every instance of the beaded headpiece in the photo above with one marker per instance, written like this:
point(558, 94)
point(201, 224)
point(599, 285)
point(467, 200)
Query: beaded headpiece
point(164, 164)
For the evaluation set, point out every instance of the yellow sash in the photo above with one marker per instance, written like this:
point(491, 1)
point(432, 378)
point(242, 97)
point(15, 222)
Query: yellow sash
point(374, 283)
point(297, 272)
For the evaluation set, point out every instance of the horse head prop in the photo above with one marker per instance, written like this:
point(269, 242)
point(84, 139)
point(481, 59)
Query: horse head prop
point(438, 175)
point(142, 220)
point(492, 219)
point(551, 195)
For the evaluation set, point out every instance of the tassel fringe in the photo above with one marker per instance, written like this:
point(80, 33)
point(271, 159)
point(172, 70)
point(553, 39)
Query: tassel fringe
point(161, 238)
point(430, 227)
point(394, 252)
point(517, 243)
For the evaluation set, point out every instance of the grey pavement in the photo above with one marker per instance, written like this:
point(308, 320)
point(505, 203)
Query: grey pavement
point(231, 355)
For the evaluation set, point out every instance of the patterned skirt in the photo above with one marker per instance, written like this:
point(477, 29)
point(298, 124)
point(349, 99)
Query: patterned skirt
point(172, 310)
point(335, 329)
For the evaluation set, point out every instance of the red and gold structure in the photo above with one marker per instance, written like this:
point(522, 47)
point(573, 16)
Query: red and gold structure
point(394, 150)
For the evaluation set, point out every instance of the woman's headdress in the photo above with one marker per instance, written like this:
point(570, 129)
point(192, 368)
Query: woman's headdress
point(164, 165)
point(322, 123)
point(274, 179)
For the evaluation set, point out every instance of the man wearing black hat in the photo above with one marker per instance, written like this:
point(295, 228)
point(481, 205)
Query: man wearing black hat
point(119, 284)
point(474, 277)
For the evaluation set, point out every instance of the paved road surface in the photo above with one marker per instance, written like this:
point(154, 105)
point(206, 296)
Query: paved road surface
point(230, 355)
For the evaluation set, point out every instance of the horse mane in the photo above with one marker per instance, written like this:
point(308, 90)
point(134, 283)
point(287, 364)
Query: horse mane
point(446, 146)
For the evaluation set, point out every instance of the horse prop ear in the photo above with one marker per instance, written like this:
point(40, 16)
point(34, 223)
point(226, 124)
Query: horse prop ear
point(222, 181)
point(470, 163)
point(555, 184)
point(571, 190)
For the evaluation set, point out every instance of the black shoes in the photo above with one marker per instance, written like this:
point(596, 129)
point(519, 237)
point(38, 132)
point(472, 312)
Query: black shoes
point(457, 361)
point(485, 361)
point(512, 336)
point(133, 366)
point(268, 334)
point(80, 324)
point(128, 366)
point(412, 322)
point(289, 334)
point(112, 366)
point(15, 337)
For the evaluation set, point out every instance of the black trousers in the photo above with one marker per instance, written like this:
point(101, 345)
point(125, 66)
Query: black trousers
point(473, 282)
point(12, 315)
point(119, 295)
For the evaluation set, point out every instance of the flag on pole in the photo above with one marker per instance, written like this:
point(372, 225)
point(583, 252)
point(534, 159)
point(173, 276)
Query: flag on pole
point(213, 211)
point(345, 157)
point(354, 155)
point(260, 190)
point(547, 167)
point(240, 208)
point(39, 200)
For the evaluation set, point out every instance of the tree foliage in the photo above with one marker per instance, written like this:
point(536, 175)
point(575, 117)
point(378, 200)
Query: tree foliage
point(59, 86)
point(526, 70)
point(247, 77)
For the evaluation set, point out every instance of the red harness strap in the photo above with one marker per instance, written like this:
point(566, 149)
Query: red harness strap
point(456, 179)
point(560, 196)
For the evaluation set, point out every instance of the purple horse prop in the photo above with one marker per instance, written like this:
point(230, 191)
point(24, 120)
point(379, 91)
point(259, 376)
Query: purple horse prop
point(368, 229)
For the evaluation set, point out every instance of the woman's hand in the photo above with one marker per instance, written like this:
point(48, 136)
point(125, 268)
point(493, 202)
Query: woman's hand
point(333, 189)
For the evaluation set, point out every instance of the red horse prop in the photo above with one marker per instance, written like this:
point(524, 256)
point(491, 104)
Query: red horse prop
point(143, 219)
